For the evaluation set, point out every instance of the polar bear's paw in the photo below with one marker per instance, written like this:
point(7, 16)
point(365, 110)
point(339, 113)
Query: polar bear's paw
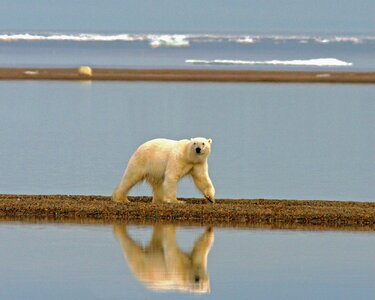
point(174, 201)
point(119, 197)
point(210, 199)
point(209, 193)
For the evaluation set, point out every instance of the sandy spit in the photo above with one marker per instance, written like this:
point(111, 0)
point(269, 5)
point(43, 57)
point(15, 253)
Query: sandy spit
point(243, 213)
point(184, 75)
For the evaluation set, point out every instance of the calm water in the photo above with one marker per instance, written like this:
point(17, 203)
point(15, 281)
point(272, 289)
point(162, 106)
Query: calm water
point(165, 262)
point(299, 35)
point(269, 141)
point(211, 16)
point(213, 51)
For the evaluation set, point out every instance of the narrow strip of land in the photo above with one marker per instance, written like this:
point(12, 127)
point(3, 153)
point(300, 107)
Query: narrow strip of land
point(186, 75)
point(194, 212)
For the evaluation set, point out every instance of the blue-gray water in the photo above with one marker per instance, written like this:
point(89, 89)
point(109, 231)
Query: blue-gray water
point(210, 16)
point(288, 141)
point(260, 33)
point(188, 51)
point(105, 262)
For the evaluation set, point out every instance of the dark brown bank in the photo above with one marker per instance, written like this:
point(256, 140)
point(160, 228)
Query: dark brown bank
point(243, 213)
point(186, 75)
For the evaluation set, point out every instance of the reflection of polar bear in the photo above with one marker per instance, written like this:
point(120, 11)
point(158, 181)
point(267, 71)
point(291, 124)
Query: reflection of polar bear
point(162, 266)
point(163, 163)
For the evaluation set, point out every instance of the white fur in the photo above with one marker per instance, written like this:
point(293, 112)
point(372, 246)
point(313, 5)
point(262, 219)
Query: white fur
point(163, 163)
point(162, 265)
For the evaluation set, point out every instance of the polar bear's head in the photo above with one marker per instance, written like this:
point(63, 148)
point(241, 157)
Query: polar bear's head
point(200, 147)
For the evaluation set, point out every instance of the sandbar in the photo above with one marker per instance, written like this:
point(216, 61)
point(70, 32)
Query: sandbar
point(225, 212)
point(187, 75)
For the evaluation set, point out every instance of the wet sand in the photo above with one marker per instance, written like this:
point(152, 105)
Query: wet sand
point(243, 213)
point(186, 75)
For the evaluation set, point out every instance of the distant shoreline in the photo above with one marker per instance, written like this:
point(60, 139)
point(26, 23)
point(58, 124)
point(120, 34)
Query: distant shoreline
point(187, 75)
point(304, 214)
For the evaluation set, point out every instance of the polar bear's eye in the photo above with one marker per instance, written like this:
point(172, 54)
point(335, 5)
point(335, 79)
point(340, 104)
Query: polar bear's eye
point(203, 144)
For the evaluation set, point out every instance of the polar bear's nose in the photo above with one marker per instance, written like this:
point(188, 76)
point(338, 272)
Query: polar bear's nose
point(198, 150)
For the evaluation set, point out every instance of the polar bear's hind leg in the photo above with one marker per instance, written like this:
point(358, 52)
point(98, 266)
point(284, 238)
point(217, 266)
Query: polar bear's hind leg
point(157, 191)
point(129, 180)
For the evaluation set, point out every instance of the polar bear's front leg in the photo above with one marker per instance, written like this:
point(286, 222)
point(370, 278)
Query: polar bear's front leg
point(203, 181)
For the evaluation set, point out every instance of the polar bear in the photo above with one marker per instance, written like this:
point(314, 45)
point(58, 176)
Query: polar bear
point(162, 163)
point(162, 265)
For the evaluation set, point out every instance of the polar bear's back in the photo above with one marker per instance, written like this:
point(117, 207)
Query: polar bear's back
point(153, 156)
point(159, 146)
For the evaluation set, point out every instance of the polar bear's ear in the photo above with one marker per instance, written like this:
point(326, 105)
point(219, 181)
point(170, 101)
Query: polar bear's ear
point(210, 141)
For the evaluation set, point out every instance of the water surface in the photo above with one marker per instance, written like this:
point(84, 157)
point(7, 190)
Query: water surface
point(115, 262)
point(289, 141)
point(143, 34)
point(212, 16)
point(346, 53)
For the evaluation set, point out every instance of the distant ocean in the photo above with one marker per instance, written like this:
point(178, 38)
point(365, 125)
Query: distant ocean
point(188, 51)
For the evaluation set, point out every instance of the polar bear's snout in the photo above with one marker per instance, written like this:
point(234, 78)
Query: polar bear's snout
point(198, 150)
